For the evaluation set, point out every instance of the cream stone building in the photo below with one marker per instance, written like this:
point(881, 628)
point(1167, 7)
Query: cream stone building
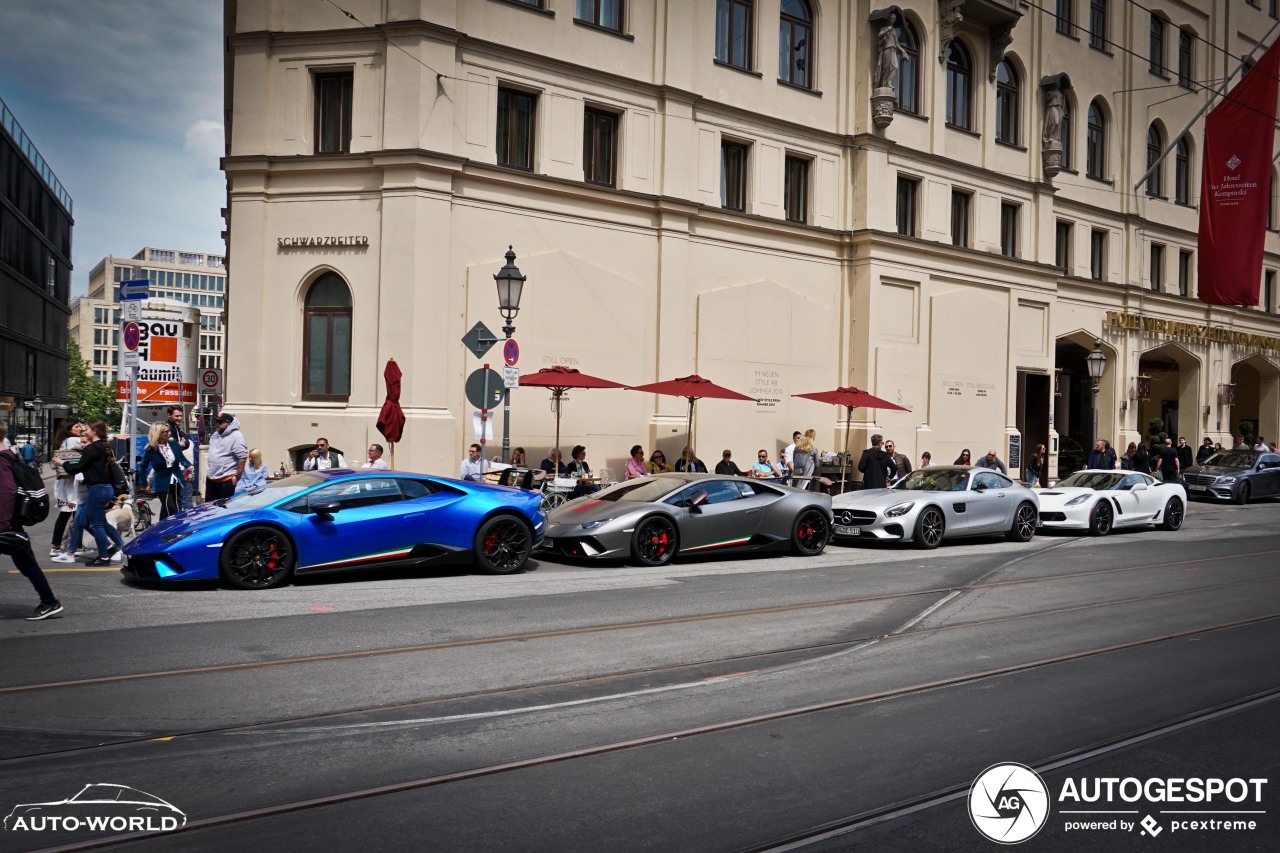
point(936, 201)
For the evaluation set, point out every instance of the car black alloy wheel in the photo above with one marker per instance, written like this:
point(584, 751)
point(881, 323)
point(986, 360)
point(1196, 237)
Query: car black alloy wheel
point(257, 557)
point(655, 541)
point(1100, 519)
point(930, 528)
point(1024, 523)
point(810, 532)
point(503, 544)
point(1242, 496)
point(1173, 514)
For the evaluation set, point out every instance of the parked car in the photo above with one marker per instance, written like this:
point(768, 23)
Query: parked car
point(337, 520)
point(1235, 475)
point(1099, 501)
point(652, 519)
point(937, 503)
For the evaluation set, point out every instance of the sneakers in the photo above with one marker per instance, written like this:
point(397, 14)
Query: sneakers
point(99, 561)
point(117, 557)
point(55, 552)
point(44, 611)
point(64, 558)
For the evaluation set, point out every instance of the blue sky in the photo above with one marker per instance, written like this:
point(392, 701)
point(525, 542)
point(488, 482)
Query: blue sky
point(123, 98)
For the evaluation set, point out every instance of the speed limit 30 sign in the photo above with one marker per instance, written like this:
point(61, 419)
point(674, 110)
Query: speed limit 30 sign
point(211, 381)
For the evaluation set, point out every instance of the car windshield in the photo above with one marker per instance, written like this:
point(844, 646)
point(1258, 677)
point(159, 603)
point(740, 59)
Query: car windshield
point(1232, 459)
point(935, 480)
point(1096, 480)
point(644, 490)
point(273, 492)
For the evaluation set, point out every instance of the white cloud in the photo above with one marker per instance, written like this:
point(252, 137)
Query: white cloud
point(205, 141)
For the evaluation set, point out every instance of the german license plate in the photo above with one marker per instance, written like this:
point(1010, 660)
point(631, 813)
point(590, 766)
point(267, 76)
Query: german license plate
point(842, 530)
point(1198, 488)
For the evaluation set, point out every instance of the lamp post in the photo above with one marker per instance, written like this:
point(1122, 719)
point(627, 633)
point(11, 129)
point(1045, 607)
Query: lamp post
point(1097, 363)
point(510, 285)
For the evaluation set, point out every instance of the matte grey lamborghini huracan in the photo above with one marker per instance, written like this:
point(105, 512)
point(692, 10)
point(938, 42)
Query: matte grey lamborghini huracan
point(652, 519)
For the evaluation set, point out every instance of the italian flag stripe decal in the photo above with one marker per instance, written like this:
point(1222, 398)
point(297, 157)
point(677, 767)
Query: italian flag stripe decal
point(365, 559)
point(725, 544)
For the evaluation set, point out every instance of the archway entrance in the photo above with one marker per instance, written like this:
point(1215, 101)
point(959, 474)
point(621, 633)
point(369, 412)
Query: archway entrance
point(1073, 401)
point(1257, 383)
point(1174, 396)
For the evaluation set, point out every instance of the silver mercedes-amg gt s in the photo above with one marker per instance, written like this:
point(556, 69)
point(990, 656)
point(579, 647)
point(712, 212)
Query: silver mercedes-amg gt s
point(651, 519)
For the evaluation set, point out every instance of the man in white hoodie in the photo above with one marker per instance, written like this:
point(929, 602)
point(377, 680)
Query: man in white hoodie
point(228, 452)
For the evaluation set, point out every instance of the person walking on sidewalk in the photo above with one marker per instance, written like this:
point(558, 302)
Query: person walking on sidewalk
point(15, 542)
point(95, 463)
point(64, 487)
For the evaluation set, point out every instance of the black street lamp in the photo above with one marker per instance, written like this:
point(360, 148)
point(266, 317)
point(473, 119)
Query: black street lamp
point(510, 287)
point(1097, 364)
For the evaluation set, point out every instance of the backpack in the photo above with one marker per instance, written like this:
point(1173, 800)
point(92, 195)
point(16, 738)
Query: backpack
point(118, 483)
point(31, 503)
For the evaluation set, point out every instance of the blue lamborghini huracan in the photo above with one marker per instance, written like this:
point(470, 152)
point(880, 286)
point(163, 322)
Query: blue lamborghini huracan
point(335, 520)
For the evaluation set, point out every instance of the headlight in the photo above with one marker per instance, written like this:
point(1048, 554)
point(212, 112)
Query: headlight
point(1224, 481)
point(174, 537)
point(1078, 499)
point(592, 525)
point(900, 509)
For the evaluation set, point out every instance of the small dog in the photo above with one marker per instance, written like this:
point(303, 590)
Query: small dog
point(120, 516)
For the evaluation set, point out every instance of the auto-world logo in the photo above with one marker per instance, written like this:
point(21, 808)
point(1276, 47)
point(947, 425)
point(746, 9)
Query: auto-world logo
point(1008, 803)
point(101, 807)
point(1234, 163)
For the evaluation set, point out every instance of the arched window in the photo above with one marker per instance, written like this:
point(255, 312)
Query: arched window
point(959, 85)
point(909, 70)
point(795, 43)
point(1095, 143)
point(1182, 173)
point(1006, 103)
point(1155, 146)
point(326, 357)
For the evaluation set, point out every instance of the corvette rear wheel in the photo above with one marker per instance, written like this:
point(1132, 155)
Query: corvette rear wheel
point(257, 557)
point(1174, 513)
point(503, 544)
point(810, 533)
point(655, 541)
point(930, 528)
point(1024, 524)
point(1101, 518)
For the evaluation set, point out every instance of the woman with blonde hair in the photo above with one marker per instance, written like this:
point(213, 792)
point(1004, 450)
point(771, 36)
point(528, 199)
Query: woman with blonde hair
point(165, 466)
point(255, 473)
point(804, 459)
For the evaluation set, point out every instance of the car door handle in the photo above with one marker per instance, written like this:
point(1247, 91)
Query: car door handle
point(751, 512)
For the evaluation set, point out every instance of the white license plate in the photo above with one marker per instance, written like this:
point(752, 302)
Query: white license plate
point(1198, 488)
point(841, 530)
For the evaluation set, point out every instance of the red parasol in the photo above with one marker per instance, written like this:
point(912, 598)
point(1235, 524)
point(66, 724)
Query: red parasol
point(391, 418)
point(851, 398)
point(693, 388)
point(560, 379)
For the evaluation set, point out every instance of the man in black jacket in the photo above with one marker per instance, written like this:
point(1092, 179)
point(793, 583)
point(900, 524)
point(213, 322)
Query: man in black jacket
point(876, 466)
point(1205, 451)
point(15, 542)
point(1184, 453)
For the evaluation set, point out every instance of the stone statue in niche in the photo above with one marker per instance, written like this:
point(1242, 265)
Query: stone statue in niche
point(891, 55)
point(1054, 106)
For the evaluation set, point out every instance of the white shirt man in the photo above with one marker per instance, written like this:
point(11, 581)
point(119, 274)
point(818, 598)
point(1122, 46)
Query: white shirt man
point(375, 458)
point(473, 467)
point(1262, 445)
point(322, 458)
point(788, 452)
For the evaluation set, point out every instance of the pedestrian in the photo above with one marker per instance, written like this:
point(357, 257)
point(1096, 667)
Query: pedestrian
point(1262, 445)
point(167, 470)
point(726, 466)
point(901, 463)
point(964, 458)
point(28, 452)
point(96, 462)
point(804, 460)
point(1185, 456)
point(15, 542)
point(690, 464)
point(635, 465)
point(658, 463)
point(1102, 457)
point(473, 466)
point(67, 438)
point(991, 460)
point(376, 461)
point(1170, 469)
point(876, 466)
point(1136, 458)
point(926, 459)
point(1205, 451)
point(788, 452)
point(181, 445)
point(1240, 444)
point(323, 457)
point(255, 473)
point(228, 453)
point(1034, 465)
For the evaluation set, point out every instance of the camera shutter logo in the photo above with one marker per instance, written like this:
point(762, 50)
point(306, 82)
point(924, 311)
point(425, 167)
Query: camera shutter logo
point(1008, 803)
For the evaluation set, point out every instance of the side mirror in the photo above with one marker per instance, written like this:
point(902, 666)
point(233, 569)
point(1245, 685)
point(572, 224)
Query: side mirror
point(696, 500)
point(325, 511)
point(1138, 487)
point(980, 487)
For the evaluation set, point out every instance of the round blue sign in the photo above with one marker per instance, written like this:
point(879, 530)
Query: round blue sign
point(511, 353)
point(131, 336)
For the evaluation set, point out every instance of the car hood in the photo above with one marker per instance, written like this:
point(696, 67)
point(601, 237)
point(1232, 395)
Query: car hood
point(879, 498)
point(1065, 493)
point(1216, 470)
point(592, 509)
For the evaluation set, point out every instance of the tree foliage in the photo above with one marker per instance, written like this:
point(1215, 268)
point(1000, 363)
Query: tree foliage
point(89, 398)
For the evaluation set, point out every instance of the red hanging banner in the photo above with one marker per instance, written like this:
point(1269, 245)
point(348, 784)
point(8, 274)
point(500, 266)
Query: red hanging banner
point(1239, 136)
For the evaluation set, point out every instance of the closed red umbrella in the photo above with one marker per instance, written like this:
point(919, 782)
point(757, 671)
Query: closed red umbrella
point(391, 418)
point(560, 379)
point(693, 388)
point(851, 398)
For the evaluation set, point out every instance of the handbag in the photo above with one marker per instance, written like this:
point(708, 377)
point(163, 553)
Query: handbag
point(118, 483)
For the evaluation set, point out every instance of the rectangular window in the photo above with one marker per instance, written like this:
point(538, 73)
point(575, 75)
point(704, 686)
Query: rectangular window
point(733, 176)
point(601, 13)
point(1098, 24)
point(1066, 17)
point(796, 191)
point(908, 190)
point(1269, 286)
point(1184, 272)
point(1062, 245)
point(1184, 58)
point(516, 113)
point(961, 204)
point(1157, 267)
point(1156, 45)
point(1009, 229)
point(1098, 255)
point(333, 112)
point(599, 147)
point(733, 32)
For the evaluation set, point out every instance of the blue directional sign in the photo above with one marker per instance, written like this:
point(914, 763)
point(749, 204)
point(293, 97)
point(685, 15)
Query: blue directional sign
point(135, 289)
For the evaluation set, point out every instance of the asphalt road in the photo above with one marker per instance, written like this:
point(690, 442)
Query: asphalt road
point(846, 701)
